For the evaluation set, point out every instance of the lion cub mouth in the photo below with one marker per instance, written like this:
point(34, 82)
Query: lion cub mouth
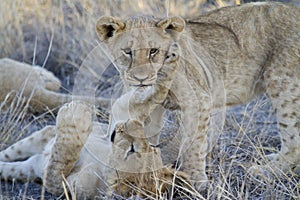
point(141, 85)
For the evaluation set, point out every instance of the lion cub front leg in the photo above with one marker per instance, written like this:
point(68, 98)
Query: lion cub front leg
point(73, 126)
point(148, 101)
point(194, 144)
point(142, 105)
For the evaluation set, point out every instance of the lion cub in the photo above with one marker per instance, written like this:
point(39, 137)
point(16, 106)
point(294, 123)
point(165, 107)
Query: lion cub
point(76, 149)
point(138, 166)
point(229, 57)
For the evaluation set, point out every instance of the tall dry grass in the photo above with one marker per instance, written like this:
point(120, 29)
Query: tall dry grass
point(59, 34)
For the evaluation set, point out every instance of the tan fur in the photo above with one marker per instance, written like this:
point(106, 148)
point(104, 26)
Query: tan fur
point(229, 56)
point(72, 131)
point(78, 151)
point(147, 99)
point(31, 82)
point(233, 54)
point(142, 172)
point(35, 84)
point(51, 153)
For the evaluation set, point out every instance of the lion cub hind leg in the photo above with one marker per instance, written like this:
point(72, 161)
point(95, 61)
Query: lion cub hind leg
point(29, 146)
point(73, 126)
point(283, 87)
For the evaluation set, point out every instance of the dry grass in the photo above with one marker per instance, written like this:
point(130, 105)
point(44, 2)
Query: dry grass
point(59, 34)
point(249, 134)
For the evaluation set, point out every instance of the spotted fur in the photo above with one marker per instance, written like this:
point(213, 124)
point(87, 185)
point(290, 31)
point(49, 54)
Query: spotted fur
point(76, 150)
point(229, 56)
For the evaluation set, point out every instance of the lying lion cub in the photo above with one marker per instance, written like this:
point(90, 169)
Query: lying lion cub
point(77, 150)
point(35, 84)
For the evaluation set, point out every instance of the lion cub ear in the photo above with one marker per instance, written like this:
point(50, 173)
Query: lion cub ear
point(172, 24)
point(107, 26)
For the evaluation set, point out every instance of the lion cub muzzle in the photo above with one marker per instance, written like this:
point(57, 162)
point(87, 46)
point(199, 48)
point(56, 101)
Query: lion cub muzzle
point(142, 75)
point(145, 74)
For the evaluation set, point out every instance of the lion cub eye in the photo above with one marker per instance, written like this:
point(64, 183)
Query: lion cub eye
point(127, 52)
point(153, 51)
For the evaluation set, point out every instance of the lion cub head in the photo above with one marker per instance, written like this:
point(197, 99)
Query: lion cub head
point(139, 45)
point(131, 151)
point(138, 166)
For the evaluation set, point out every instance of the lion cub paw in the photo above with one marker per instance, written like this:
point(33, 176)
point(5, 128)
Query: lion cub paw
point(74, 124)
point(260, 173)
point(274, 165)
point(76, 116)
point(200, 182)
point(173, 53)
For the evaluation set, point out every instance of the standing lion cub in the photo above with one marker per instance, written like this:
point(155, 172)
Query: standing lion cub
point(229, 56)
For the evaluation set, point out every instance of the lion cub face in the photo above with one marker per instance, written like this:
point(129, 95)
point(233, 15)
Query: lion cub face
point(129, 137)
point(139, 166)
point(131, 152)
point(139, 45)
